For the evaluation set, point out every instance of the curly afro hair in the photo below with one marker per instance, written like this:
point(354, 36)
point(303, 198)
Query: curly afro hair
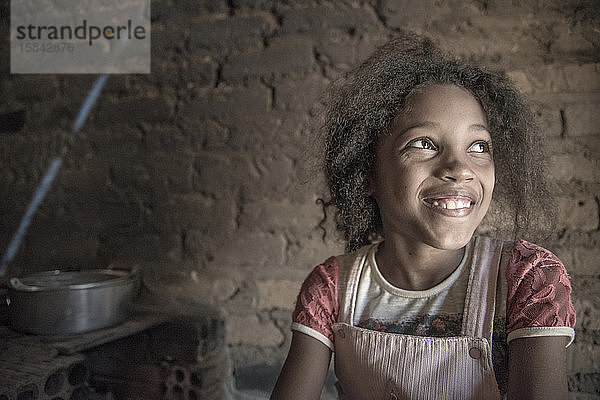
point(360, 106)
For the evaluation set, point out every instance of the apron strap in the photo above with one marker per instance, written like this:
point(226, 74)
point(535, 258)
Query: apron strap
point(480, 301)
point(350, 267)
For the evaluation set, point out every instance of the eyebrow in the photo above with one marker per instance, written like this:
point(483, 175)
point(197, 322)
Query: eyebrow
point(430, 124)
point(479, 127)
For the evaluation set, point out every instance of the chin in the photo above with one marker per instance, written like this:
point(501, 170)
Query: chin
point(451, 241)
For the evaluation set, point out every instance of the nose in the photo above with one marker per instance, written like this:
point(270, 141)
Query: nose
point(453, 168)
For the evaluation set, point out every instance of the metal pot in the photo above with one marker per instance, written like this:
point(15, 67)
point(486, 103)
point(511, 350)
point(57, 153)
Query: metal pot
point(70, 302)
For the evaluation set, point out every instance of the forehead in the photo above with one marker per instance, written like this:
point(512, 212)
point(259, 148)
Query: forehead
point(441, 102)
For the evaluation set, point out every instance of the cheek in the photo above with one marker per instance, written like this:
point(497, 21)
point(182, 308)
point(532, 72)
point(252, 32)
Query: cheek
point(488, 187)
point(492, 180)
point(487, 176)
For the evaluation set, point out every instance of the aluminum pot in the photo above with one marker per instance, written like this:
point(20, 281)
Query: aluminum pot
point(70, 302)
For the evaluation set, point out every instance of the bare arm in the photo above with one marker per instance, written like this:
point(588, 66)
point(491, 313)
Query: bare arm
point(537, 368)
point(304, 371)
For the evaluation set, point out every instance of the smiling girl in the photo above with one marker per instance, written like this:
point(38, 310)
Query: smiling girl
point(419, 307)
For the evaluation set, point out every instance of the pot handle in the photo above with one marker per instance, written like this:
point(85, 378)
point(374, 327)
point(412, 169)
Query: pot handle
point(16, 284)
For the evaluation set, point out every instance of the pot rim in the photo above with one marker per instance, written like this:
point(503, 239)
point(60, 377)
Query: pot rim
point(114, 277)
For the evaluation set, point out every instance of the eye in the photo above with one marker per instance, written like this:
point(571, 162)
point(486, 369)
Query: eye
point(479, 147)
point(422, 143)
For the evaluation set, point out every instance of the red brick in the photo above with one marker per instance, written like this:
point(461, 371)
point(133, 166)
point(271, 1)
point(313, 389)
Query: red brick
point(338, 49)
point(582, 78)
point(573, 40)
point(579, 260)
point(583, 119)
point(223, 31)
point(131, 110)
point(221, 173)
point(202, 70)
point(574, 167)
point(413, 14)
point(167, 36)
point(585, 261)
point(583, 357)
point(299, 95)
point(167, 11)
point(248, 329)
point(284, 55)
point(274, 174)
point(557, 78)
point(64, 246)
point(207, 135)
point(578, 214)
point(280, 216)
point(205, 214)
point(225, 102)
point(321, 20)
point(250, 133)
point(255, 250)
point(35, 87)
point(171, 171)
point(549, 119)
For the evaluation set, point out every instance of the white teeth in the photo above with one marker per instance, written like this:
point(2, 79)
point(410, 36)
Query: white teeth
point(451, 204)
point(464, 204)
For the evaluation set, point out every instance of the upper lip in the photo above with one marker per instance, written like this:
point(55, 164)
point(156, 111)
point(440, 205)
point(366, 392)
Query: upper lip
point(440, 193)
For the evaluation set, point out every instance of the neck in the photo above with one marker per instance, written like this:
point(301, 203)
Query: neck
point(413, 265)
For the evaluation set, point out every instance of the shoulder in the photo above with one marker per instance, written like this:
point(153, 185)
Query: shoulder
point(325, 273)
point(320, 286)
point(532, 263)
point(525, 254)
point(539, 291)
point(317, 304)
point(332, 270)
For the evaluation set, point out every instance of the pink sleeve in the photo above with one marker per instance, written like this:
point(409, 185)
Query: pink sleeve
point(539, 291)
point(317, 303)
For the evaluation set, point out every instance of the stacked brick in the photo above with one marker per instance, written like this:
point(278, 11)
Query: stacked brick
point(185, 358)
point(31, 375)
point(202, 172)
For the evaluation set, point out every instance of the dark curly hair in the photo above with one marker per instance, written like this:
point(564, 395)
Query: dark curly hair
point(360, 106)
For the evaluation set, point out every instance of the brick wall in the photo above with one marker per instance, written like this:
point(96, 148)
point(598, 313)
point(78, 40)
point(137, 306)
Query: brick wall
point(200, 172)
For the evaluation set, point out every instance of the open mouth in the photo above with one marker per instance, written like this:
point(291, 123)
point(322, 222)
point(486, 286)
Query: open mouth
point(450, 203)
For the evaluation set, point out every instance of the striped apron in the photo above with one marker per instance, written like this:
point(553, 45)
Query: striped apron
point(379, 365)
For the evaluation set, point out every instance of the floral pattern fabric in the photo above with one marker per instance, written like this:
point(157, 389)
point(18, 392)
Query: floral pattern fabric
point(441, 325)
point(539, 291)
point(317, 305)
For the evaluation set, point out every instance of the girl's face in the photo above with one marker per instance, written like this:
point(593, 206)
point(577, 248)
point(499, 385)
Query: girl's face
point(434, 172)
